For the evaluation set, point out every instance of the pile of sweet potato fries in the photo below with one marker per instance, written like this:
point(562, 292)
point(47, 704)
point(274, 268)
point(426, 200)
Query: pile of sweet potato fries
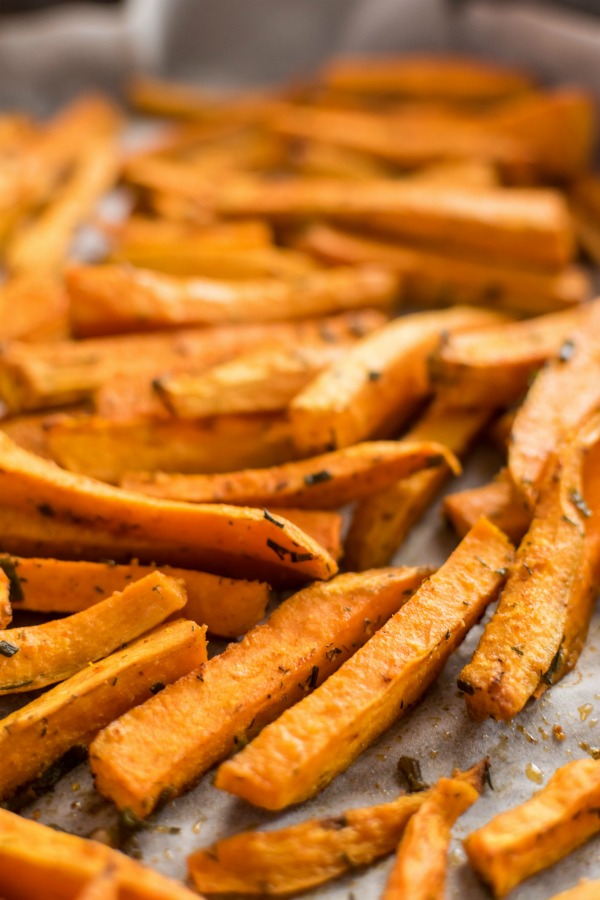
point(321, 298)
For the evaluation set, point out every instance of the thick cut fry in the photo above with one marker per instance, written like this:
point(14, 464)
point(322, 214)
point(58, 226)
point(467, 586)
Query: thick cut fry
point(33, 308)
point(289, 860)
point(520, 842)
point(492, 367)
point(551, 578)
point(44, 654)
point(321, 482)
point(565, 393)
point(435, 279)
point(179, 735)
point(262, 381)
point(228, 607)
point(221, 539)
point(74, 711)
point(378, 382)
point(69, 371)
point(5, 605)
point(426, 78)
point(113, 299)
point(419, 871)
point(522, 226)
point(107, 449)
point(38, 861)
point(498, 501)
point(381, 522)
point(298, 754)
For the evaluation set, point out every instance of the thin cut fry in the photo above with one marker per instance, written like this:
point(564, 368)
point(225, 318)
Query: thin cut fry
point(227, 606)
point(492, 367)
point(419, 871)
point(381, 522)
point(321, 482)
point(113, 299)
point(169, 742)
point(238, 541)
point(522, 841)
point(497, 501)
point(74, 711)
point(302, 751)
point(378, 382)
point(38, 861)
point(289, 860)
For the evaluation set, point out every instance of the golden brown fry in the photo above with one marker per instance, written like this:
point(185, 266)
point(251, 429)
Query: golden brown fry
point(227, 606)
point(302, 751)
point(381, 522)
point(522, 841)
point(221, 539)
point(114, 299)
point(419, 870)
point(38, 861)
point(39, 655)
point(376, 385)
point(492, 367)
point(289, 860)
point(170, 741)
point(320, 482)
point(498, 501)
point(33, 308)
point(434, 279)
point(564, 394)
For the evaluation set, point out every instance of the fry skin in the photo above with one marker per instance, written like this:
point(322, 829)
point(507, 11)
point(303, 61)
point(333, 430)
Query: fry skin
point(169, 742)
point(378, 382)
point(302, 751)
point(320, 482)
point(522, 841)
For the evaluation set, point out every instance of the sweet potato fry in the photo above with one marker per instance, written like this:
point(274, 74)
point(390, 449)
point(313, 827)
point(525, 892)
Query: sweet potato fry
point(419, 871)
point(492, 367)
point(33, 308)
point(306, 639)
point(74, 711)
point(38, 861)
point(69, 371)
point(299, 857)
point(323, 525)
point(179, 101)
point(317, 158)
point(550, 581)
point(585, 890)
point(107, 449)
point(218, 538)
point(229, 264)
point(143, 234)
point(5, 604)
point(39, 655)
point(321, 482)
point(378, 382)
point(302, 751)
point(104, 886)
point(564, 394)
point(227, 606)
point(113, 299)
point(426, 78)
point(498, 501)
point(381, 522)
point(438, 279)
point(520, 842)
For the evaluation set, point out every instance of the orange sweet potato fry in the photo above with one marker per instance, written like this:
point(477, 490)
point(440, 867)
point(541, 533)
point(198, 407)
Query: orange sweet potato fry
point(320, 482)
point(104, 886)
point(492, 367)
point(522, 841)
point(323, 525)
point(419, 870)
point(585, 890)
point(227, 606)
point(169, 742)
point(33, 308)
point(225, 539)
point(497, 501)
point(38, 861)
point(378, 382)
point(381, 522)
point(74, 711)
point(38, 655)
point(117, 299)
point(302, 751)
